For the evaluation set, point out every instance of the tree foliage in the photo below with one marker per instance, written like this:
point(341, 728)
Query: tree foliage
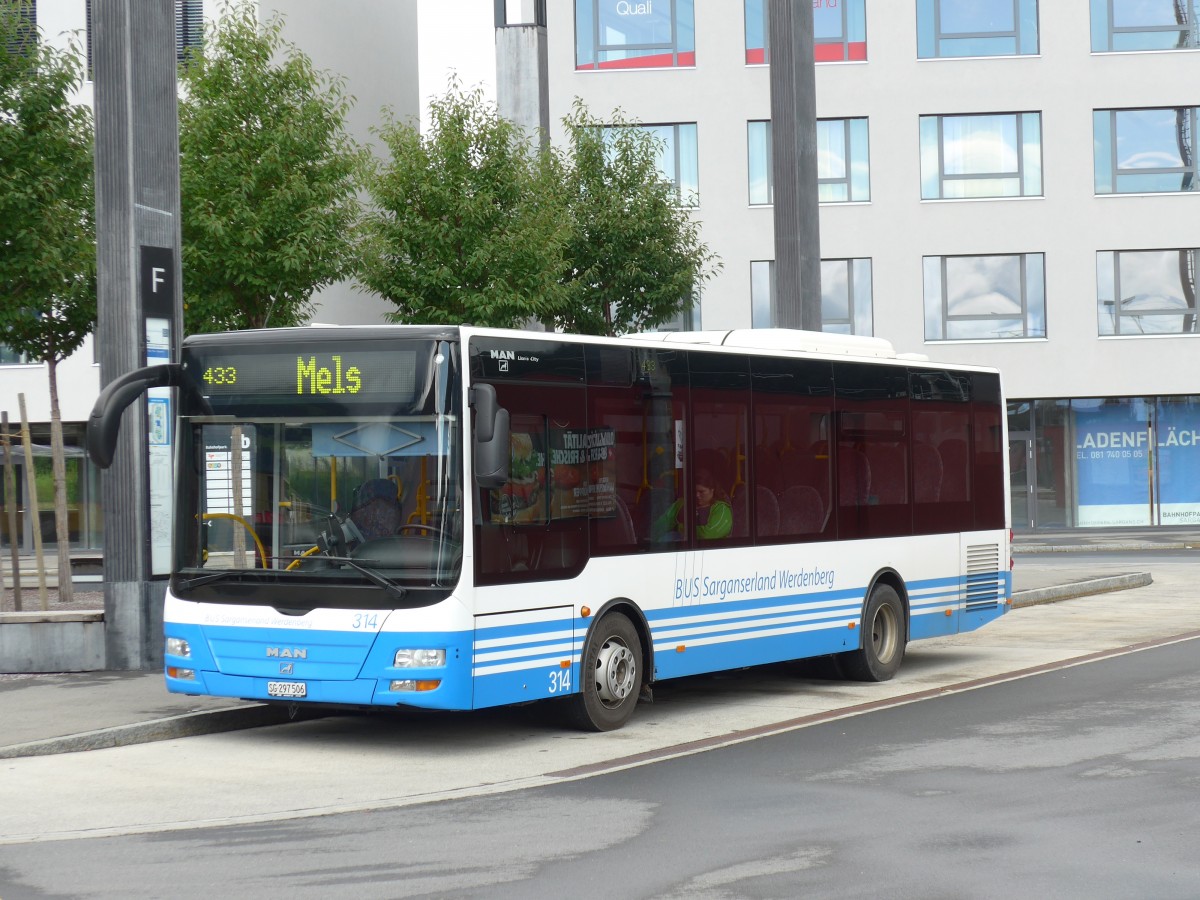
point(47, 204)
point(465, 225)
point(47, 220)
point(635, 258)
point(268, 178)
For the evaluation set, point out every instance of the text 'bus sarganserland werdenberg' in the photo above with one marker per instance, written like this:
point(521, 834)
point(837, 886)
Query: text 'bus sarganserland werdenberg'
point(457, 518)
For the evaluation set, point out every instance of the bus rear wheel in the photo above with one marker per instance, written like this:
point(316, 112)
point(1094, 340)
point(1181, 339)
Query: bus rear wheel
point(611, 676)
point(883, 635)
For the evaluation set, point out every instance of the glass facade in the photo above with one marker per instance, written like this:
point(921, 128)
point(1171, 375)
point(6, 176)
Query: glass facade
point(987, 298)
point(843, 161)
point(846, 295)
point(1105, 462)
point(971, 157)
point(839, 31)
point(1145, 151)
point(678, 158)
point(634, 34)
point(956, 28)
point(1130, 25)
point(1157, 291)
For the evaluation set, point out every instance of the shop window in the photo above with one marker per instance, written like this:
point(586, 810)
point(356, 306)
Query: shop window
point(968, 157)
point(1145, 151)
point(1129, 25)
point(678, 158)
point(952, 28)
point(1147, 292)
point(987, 298)
point(843, 161)
point(634, 34)
point(839, 31)
point(846, 295)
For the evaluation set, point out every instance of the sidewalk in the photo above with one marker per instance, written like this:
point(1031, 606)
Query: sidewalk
point(45, 714)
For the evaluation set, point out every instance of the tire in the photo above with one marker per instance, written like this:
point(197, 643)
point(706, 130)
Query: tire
point(610, 678)
point(884, 635)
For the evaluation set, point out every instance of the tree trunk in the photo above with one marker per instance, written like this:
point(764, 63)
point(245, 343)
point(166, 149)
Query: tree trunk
point(62, 526)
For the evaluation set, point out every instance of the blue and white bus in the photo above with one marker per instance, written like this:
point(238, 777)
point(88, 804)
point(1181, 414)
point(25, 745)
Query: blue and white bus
point(457, 518)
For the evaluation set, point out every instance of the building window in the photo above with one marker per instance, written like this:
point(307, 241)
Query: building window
point(1156, 291)
point(678, 158)
point(952, 28)
point(1125, 25)
point(10, 357)
point(967, 157)
point(843, 161)
point(189, 31)
point(839, 31)
point(1145, 151)
point(634, 34)
point(25, 36)
point(846, 296)
point(986, 298)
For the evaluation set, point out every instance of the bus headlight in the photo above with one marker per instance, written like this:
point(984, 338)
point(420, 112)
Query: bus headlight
point(181, 674)
point(178, 647)
point(419, 659)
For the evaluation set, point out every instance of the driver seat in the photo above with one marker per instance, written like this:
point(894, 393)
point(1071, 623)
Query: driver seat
point(377, 511)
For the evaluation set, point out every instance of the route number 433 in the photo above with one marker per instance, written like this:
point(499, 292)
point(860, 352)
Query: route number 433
point(560, 681)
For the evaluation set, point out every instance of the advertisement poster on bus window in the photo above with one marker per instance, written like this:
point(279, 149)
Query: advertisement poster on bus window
point(575, 476)
point(1112, 465)
point(582, 473)
point(1177, 436)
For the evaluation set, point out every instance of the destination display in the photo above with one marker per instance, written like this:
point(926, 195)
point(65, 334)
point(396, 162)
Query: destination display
point(347, 373)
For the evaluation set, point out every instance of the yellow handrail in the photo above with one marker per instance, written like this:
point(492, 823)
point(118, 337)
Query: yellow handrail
point(262, 551)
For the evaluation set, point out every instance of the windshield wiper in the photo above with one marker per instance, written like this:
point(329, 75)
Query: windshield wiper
point(371, 575)
point(211, 577)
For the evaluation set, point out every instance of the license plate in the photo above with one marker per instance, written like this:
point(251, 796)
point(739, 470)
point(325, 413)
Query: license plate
point(286, 689)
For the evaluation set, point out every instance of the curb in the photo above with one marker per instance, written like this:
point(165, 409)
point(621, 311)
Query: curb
point(1074, 589)
point(187, 725)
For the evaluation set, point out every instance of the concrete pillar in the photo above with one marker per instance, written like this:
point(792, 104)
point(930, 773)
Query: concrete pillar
point(796, 302)
point(137, 229)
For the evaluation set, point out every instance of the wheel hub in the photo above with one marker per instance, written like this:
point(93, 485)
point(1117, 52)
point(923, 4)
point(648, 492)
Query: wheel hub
point(616, 672)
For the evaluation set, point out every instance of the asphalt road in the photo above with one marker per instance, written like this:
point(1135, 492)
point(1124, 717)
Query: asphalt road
point(1080, 782)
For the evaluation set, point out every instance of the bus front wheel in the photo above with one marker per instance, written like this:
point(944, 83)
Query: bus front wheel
point(611, 676)
point(883, 638)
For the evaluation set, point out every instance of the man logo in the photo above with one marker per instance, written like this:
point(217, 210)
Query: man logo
point(287, 668)
point(287, 653)
point(504, 354)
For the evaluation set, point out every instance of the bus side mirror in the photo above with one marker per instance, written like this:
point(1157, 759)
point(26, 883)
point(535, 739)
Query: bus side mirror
point(104, 424)
point(492, 451)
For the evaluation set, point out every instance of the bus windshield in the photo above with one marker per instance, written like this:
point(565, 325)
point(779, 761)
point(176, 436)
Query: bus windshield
point(318, 499)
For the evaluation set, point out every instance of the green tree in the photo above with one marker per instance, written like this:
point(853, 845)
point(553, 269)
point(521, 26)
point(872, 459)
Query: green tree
point(47, 220)
point(466, 225)
point(634, 259)
point(268, 178)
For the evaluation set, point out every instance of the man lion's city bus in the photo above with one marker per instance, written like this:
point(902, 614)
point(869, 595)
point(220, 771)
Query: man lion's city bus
point(456, 518)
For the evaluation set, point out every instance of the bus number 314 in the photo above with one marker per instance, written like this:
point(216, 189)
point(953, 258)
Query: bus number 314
point(560, 681)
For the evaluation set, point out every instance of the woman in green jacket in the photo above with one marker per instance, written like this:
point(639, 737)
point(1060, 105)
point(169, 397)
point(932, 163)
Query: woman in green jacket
point(713, 515)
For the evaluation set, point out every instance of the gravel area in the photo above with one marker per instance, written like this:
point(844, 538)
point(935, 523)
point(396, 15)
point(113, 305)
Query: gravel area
point(83, 600)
